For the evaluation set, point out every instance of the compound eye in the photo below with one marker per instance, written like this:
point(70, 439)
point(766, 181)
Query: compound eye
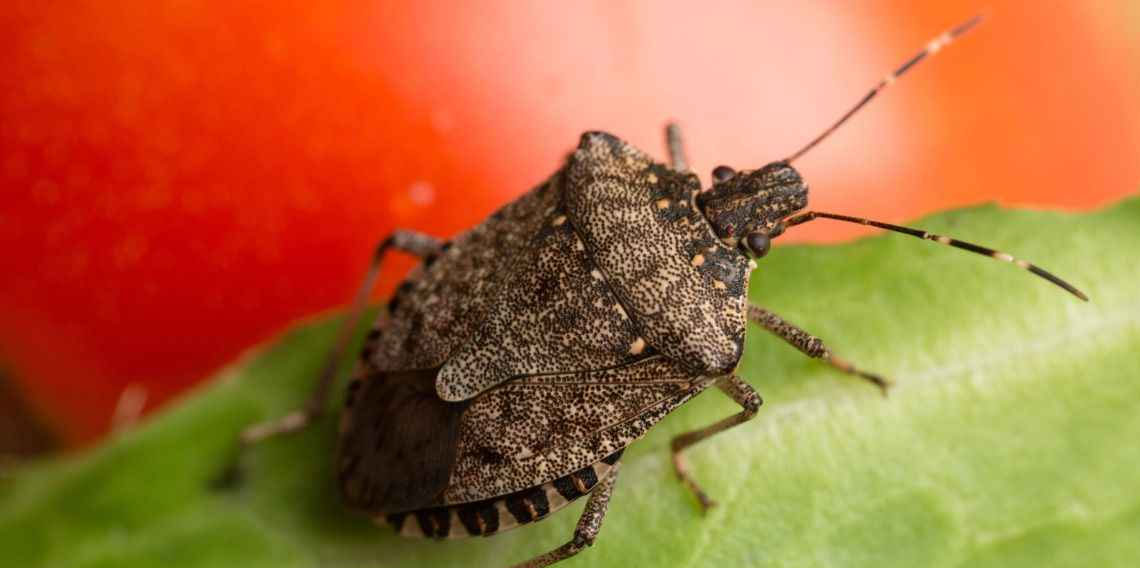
point(722, 173)
point(758, 243)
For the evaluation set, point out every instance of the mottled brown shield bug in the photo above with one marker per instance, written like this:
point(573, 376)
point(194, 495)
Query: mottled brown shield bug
point(514, 365)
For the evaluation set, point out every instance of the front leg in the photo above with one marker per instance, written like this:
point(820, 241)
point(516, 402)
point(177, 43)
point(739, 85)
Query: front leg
point(741, 393)
point(810, 345)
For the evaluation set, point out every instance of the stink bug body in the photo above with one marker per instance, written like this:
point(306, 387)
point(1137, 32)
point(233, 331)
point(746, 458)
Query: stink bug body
point(516, 363)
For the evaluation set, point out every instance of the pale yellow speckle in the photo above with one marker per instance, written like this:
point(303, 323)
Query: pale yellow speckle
point(938, 43)
point(553, 497)
point(719, 285)
point(559, 220)
point(596, 273)
point(1003, 256)
point(662, 203)
point(943, 240)
point(637, 346)
point(411, 529)
point(652, 178)
point(751, 264)
point(698, 260)
point(1021, 263)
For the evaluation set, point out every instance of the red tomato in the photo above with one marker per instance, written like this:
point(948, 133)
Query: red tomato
point(180, 181)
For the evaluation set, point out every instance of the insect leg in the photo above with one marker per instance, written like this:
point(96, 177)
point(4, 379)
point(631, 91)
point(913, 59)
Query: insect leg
point(411, 242)
point(740, 392)
point(810, 345)
point(676, 148)
point(588, 525)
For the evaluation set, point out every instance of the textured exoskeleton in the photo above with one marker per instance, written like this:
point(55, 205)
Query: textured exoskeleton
point(545, 339)
point(519, 359)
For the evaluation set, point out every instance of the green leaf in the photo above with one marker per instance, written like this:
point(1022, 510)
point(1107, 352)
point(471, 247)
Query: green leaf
point(1010, 439)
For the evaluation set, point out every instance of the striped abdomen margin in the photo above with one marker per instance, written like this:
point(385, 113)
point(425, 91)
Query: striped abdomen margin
point(490, 516)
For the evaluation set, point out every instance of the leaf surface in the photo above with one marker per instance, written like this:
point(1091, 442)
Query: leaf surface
point(1010, 438)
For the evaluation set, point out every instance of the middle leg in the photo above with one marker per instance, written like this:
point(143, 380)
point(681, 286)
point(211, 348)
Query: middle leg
point(749, 401)
point(417, 244)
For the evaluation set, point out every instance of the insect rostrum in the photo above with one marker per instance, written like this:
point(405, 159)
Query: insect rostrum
point(515, 364)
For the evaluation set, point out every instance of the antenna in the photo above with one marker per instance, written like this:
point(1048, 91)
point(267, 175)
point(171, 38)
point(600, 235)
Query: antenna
point(931, 48)
point(812, 215)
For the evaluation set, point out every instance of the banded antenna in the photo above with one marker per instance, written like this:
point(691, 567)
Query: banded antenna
point(931, 48)
point(1025, 265)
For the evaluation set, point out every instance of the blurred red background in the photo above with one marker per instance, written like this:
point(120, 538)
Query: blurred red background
point(180, 181)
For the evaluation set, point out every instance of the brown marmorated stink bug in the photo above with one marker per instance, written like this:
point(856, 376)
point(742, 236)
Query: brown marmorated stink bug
point(517, 362)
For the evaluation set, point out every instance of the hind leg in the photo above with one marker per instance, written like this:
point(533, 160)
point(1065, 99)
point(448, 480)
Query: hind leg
point(749, 401)
point(410, 242)
point(417, 244)
point(589, 524)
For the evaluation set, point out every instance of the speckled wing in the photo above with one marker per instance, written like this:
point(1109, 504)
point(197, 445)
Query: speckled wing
point(398, 441)
point(535, 429)
point(442, 303)
point(684, 288)
point(554, 313)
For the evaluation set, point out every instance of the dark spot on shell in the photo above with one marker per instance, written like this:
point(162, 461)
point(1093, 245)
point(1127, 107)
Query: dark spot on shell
point(565, 487)
point(435, 523)
point(397, 520)
point(490, 456)
point(614, 457)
